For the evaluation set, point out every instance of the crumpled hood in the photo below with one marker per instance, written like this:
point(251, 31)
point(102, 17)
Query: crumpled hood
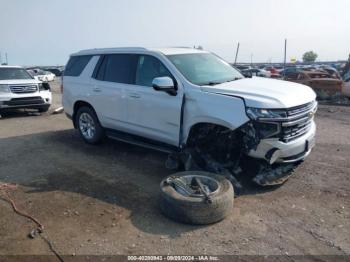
point(265, 93)
point(19, 82)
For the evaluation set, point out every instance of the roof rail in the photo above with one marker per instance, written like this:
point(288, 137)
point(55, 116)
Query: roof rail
point(106, 50)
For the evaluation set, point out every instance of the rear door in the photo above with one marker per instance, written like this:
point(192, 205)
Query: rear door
point(113, 75)
point(153, 114)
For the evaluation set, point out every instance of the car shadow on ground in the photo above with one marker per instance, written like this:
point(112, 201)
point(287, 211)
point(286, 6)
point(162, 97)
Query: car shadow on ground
point(17, 113)
point(116, 173)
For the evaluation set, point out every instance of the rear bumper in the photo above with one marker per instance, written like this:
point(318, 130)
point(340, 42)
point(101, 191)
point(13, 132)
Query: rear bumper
point(276, 151)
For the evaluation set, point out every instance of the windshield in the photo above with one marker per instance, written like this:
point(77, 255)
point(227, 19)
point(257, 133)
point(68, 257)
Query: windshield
point(204, 68)
point(14, 73)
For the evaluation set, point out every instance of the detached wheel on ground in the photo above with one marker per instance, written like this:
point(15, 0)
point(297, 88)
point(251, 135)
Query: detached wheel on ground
point(88, 125)
point(196, 197)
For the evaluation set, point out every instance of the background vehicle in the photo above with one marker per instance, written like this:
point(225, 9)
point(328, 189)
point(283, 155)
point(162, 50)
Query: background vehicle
point(322, 82)
point(346, 88)
point(330, 70)
point(273, 71)
point(42, 75)
point(18, 89)
point(256, 72)
point(289, 70)
point(55, 71)
point(193, 105)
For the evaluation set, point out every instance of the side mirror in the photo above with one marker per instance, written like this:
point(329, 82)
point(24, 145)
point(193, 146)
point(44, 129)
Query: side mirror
point(165, 84)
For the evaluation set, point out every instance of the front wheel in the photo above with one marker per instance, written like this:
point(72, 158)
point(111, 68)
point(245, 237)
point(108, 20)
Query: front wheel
point(88, 125)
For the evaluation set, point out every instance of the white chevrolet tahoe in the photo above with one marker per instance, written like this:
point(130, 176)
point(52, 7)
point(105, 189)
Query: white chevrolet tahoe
point(193, 105)
point(18, 89)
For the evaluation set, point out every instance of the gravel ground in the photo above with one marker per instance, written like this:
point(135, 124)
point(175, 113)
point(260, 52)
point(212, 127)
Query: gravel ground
point(103, 199)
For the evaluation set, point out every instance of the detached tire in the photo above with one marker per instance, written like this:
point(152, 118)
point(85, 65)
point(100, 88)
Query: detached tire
point(196, 210)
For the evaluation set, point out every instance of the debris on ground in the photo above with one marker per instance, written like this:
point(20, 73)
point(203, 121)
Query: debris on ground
point(58, 110)
point(39, 230)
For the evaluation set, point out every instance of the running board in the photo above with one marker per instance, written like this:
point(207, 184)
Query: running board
point(141, 141)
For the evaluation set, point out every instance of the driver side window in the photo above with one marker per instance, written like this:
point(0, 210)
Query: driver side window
point(148, 68)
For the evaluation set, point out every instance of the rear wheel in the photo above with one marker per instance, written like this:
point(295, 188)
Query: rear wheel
point(88, 125)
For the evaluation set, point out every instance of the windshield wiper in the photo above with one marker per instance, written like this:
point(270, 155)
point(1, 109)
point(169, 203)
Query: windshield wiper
point(212, 83)
point(234, 79)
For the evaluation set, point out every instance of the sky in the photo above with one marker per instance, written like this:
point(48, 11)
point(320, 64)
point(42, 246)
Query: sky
point(42, 32)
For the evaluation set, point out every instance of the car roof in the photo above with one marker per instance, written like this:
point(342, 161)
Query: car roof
point(164, 51)
point(7, 66)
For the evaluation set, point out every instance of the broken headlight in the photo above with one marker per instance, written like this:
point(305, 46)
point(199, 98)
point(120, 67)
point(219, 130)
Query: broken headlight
point(4, 89)
point(266, 121)
point(265, 114)
point(267, 130)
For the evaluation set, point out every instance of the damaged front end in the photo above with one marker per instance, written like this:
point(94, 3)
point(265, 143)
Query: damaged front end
point(267, 148)
point(223, 151)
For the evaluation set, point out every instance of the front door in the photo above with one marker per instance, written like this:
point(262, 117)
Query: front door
point(153, 114)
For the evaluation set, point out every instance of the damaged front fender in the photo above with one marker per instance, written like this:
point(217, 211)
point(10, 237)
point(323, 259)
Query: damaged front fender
point(219, 150)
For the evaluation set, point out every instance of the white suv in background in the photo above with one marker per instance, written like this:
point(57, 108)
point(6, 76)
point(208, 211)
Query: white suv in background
point(193, 105)
point(18, 89)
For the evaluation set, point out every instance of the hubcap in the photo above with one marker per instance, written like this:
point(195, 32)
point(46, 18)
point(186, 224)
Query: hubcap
point(87, 126)
point(185, 186)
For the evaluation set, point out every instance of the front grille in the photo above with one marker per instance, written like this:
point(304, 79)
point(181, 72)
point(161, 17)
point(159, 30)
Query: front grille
point(300, 109)
point(292, 132)
point(23, 89)
point(25, 101)
point(298, 122)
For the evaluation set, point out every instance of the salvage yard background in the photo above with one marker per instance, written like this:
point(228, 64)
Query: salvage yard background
point(103, 199)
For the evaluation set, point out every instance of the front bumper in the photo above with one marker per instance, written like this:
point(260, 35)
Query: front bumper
point(35, 100)
point(275, 151)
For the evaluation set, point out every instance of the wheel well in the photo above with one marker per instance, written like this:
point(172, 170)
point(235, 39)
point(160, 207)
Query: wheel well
point(214, 143)
point(204, 129)
point(78, 105)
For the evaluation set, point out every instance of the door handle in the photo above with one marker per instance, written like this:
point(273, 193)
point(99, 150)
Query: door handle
point(134, 95)
point(96, 89)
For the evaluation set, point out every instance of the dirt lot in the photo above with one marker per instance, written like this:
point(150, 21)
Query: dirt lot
point(103, 199)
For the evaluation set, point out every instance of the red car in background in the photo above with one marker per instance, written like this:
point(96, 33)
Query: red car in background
point(273, 71)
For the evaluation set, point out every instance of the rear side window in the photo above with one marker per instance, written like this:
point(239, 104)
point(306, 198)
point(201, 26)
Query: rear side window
point(119, 68)
point(76, 65)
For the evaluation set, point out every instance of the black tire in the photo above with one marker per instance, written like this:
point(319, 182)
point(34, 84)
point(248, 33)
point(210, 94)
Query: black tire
point(99, 134)
point(44, 109)
point(194, 210)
